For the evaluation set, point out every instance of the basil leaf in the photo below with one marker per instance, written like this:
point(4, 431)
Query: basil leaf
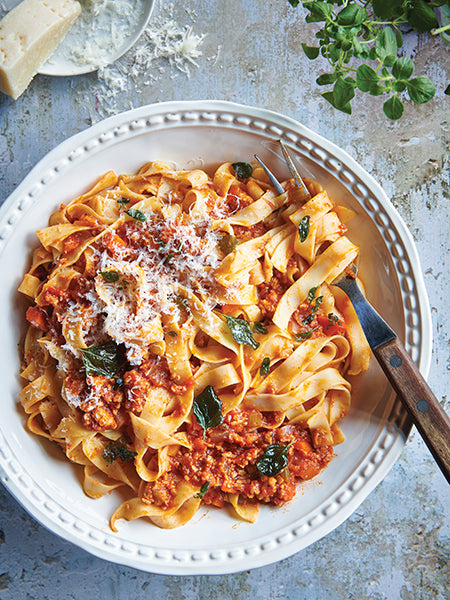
point(305, 335)
point(118, 449)
point(294, 3)
point(123, 200)
point(274, 460)
point(241, 332)
point(242, 170)
point(228, 243)
point(259, 328)
point(311, 52)
point(110, 276)
point(136, 214)
point(172, 333)
point(303, 228)
point(420, 89)
point(183, 303)
point(393, 108)
point(308, 319)
point(203, 490)
point(101, 360)
point(207, 409)
point(312, 293)
point(265, 366)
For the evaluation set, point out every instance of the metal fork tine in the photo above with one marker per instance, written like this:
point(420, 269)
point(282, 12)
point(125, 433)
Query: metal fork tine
point(295, 174)
point(271, 176)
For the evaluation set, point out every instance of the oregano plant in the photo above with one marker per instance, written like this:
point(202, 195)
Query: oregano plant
point(361, 40)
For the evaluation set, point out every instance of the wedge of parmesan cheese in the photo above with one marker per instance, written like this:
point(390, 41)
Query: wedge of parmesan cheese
point(28, 35)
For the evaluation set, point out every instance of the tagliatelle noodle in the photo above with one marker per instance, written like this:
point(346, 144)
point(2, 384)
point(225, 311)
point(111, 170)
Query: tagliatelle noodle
point(148, 276)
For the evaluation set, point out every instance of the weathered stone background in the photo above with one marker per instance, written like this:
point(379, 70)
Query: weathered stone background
point(396, 546)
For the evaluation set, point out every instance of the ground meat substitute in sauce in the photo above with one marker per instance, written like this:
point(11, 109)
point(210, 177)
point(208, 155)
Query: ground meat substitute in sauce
point(226, 458)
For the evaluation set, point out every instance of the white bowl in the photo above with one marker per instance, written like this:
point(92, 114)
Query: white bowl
point(204, 134)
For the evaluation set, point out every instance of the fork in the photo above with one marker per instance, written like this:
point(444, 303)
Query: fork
point(413, 391)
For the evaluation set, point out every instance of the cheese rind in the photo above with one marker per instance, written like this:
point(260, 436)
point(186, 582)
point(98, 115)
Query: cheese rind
point(28, 35)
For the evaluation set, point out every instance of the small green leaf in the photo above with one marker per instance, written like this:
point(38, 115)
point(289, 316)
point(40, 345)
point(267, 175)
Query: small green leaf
point(387, 9)
point(447, 90)
point(274, 460)
point(312, 293)
point(320, 11)
point(172, 333)
point(389, 60)
point(207, 408)
point(366, 77)
point(421, 16)
point(123, 200)
point(242, 170)
point(399, 86)
point(241, 332)
point(393, 108)
point(204, 487)
point(183, 303)
point(326, 78)
point(265, 367)
point(311, 52)
point(118, 449)
point(228, 243)
point(110, 276)
point(259, 328)
point(303, 228)
point(376, 89)
point(136, 214)
point(329, 97)
point(386, 42)
point(420, 89)
point(403, 68)
point(305, 335)
point(352, 14)
point(309, 318)
point(343, 91)
point(101, 360)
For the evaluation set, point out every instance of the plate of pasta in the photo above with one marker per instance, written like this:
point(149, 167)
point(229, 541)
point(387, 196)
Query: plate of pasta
point(191, 394)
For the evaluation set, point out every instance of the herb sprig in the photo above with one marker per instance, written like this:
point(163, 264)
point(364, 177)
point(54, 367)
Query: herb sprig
point(357, 32)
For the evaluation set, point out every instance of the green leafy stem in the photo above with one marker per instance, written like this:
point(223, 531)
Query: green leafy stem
point(356, 32)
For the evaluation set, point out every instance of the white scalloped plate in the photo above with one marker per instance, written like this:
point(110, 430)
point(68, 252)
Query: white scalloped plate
point(203, 134)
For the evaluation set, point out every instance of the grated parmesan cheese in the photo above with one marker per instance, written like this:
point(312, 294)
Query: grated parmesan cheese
point(165, 44)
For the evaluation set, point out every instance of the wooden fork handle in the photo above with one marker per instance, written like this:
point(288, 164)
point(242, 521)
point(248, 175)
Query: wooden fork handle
point(425, 410)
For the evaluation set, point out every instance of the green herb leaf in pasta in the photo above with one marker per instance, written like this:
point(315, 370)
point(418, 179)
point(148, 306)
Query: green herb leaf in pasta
point(242, 170)
point(274, 460)
point(207, 409)
point(303, 228)
point(136, 214)
point(101, 360)
point(241, 331)
point(202, 491)
point(118, 449)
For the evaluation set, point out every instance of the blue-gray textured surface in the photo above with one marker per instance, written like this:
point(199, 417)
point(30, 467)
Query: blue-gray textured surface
point(396, 545)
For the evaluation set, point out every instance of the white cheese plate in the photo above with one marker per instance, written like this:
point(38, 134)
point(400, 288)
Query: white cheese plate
point(204, 134)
